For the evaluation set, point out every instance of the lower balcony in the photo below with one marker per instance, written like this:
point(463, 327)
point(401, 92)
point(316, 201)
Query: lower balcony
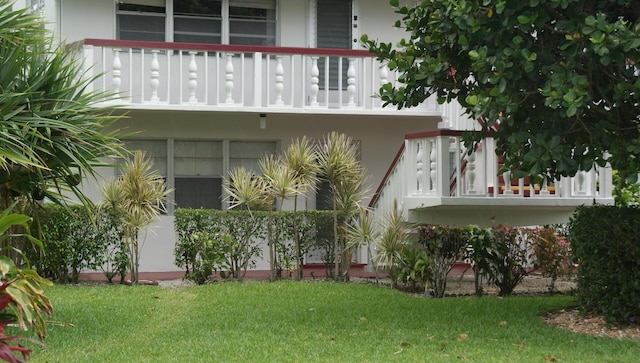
point(434, 181)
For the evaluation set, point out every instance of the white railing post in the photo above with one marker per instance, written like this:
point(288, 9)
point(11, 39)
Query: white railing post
point(419, 168)
point(257, 79)
point(228, 70)
point(315, 80)
point(506, 176)
point(116, 73)
point(441, 160)
point(155, 75)
point(193, 77)
point(279, 80)
point(87, 59)
point(351, 83)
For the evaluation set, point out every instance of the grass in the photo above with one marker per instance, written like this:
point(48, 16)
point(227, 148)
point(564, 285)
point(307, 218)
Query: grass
point(308, 322)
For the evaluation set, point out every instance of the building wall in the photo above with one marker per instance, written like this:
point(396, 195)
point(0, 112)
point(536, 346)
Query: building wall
point(81, 19)
point(379, 137)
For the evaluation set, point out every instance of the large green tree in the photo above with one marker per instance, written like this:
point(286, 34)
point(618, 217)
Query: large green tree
point(560, 77)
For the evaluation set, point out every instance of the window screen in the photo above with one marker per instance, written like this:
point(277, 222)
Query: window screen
point(141, 22)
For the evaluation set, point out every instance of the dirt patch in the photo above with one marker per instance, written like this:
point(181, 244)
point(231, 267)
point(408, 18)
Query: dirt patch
point(572, 320)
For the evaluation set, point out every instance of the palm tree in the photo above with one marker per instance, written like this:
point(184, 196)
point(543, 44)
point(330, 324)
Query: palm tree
point(246, 190)
point(279, 185)
point(302, 161)
point(138, 197)
point(52, 134)
point(349, 194)
point(391, 242)
point(339, 166)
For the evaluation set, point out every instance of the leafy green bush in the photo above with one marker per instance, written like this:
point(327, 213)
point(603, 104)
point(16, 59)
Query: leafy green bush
point(414, 268)
point(444, 245)
point(246, 230)
point(237, 236)
point(73, 241)
point(605, 242)
point(509, 254)
point(479, 251)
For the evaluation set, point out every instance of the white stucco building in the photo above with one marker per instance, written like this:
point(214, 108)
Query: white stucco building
point(208, 85)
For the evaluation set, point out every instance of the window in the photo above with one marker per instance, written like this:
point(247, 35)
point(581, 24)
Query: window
point(195, 168)
point(141, 22)
point(249, 22)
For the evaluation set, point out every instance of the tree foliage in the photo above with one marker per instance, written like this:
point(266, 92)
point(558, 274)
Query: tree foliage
point(559, 77)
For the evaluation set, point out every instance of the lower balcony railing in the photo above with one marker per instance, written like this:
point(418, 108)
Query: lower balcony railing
point(433, 168)
point(245, 78)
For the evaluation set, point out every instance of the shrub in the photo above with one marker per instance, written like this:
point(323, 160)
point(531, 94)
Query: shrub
point(480, 252)
point(551, 253)
point(414, 268)
point(246, 231)
point(444, 245)
point(73, 242)
point(605, 244)
point(509, 258)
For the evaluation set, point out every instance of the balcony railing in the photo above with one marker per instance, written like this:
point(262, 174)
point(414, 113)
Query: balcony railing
point(242, 78)
point(434, 169)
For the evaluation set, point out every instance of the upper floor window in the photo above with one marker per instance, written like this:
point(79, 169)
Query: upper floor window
point(248, 22)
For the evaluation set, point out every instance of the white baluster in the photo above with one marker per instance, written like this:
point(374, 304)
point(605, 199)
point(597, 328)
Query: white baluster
point(580, 182)
point(419, 168)
point(433, 167)
point(116, 72)
point(351, 83)
point(471, 173)
point(507, 182)
point(279, 80)
point(155, 75)
point(229, 78)
point(384, 75)
point(544, 189)
point(315, 80)
point(193, 77)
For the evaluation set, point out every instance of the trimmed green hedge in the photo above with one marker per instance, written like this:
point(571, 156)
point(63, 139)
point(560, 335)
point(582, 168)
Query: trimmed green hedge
point(229, 241)
point(606, 244)
point(73, 242)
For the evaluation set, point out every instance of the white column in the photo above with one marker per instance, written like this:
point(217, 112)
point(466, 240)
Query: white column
point(193, 77)
point(155, 75)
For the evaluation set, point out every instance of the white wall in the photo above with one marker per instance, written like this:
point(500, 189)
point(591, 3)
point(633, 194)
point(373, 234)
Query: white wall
point(380, 139)
point(82, 19)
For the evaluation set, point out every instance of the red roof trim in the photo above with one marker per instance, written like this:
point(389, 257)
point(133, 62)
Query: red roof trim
point(223, 48)
point(426, 134)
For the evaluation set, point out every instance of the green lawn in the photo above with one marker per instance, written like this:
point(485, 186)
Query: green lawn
point(308, 322)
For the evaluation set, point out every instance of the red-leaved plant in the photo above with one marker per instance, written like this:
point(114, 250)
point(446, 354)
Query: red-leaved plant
point(22, 301)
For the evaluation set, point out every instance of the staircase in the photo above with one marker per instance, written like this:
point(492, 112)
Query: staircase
point(434, 181)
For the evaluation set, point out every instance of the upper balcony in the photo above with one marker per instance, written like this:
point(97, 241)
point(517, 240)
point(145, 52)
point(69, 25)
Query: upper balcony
point(216, 77)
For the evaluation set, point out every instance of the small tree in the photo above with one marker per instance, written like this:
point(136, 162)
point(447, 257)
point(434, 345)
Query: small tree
point(301, 160)
point(245, 190)
point(138, 198)
point(339, 166)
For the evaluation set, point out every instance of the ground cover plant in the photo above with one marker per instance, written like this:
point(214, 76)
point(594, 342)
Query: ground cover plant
point(290, 321)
